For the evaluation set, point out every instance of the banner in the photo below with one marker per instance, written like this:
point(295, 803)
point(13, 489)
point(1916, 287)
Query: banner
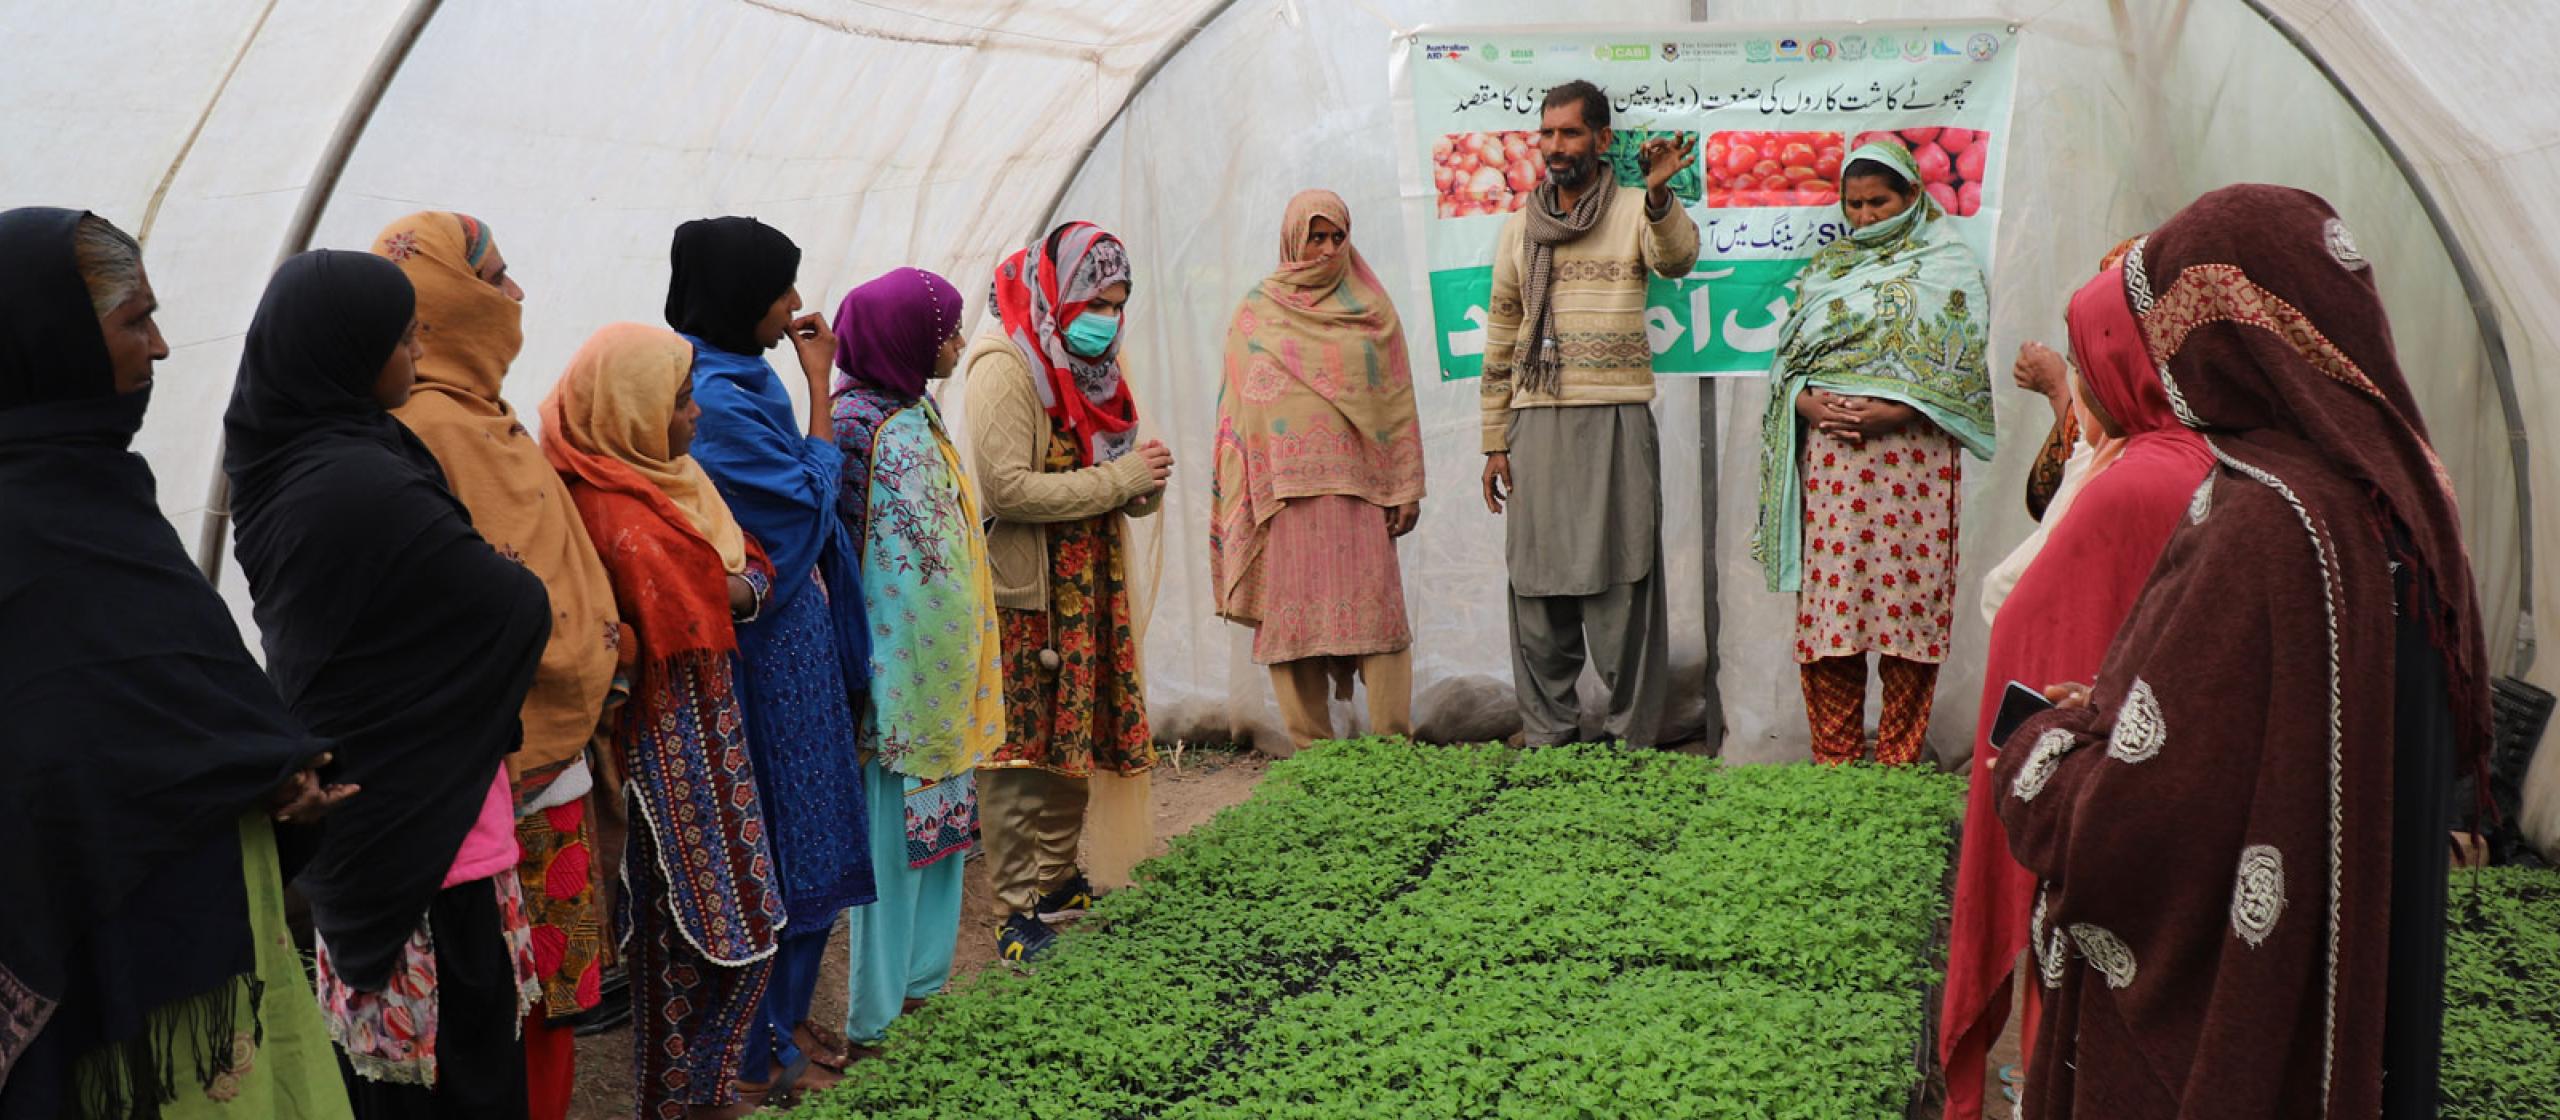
point(1774, 111)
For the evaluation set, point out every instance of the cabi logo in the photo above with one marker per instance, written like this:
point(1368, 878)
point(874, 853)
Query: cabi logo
point(1629, 52)
point(1982, 47)
point(1822, 50)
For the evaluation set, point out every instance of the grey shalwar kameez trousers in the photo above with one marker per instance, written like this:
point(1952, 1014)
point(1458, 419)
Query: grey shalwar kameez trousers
point(1584, 547)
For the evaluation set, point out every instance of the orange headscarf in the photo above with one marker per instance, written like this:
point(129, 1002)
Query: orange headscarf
point(1318, 397)
point(606, 422)
point(470, 332)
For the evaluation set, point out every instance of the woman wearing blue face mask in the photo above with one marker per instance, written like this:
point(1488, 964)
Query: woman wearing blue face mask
point(1054, 448)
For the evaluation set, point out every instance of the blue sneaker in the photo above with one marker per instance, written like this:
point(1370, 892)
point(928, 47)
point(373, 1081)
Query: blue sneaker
point(1067, 903)
point(1023, 939)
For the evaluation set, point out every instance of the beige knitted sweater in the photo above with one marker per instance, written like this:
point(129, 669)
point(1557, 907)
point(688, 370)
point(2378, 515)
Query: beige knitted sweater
point(1599, 301)
point(1009, 435)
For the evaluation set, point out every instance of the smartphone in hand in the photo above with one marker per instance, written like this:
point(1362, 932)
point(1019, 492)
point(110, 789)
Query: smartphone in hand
point(2018, 704)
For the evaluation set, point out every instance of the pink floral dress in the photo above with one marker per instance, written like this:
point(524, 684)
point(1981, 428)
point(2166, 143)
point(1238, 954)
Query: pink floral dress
point(1879, 546)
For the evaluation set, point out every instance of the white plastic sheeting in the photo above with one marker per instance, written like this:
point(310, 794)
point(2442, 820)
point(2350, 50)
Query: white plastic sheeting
point(2123, 116)
point(887, 132)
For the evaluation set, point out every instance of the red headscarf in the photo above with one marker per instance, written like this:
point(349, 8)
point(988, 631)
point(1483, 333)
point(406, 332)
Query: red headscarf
point(2055, 627)
point(1041, 289)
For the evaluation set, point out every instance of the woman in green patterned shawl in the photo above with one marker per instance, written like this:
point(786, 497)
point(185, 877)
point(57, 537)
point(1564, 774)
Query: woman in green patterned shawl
point(1880, 382)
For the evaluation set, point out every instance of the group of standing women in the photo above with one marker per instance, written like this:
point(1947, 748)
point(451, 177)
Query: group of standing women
point(657, 600)
point(803, 668)
point(739, 671)
point(2219, 860)
point(679, 685)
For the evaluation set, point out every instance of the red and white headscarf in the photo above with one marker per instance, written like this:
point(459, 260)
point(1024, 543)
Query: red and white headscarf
point(1041, 289)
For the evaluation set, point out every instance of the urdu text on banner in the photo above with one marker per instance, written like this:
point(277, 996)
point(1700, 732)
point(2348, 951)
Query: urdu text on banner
point(1773, 109)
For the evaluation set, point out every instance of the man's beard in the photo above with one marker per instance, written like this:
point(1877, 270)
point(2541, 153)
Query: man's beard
point(1574, 174)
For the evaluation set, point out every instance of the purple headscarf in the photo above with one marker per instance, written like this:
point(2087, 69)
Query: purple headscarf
point(887, 331)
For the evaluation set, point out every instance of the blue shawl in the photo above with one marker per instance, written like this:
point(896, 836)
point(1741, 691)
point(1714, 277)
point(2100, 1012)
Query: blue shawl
point(781, 486)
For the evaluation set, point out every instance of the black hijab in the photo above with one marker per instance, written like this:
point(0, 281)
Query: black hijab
point(50, 348)
point(727, 273)
point(389, 624)
point(140, 730)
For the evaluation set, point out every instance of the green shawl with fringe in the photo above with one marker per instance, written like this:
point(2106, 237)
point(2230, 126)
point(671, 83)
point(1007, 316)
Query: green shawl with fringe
point(1896, 311)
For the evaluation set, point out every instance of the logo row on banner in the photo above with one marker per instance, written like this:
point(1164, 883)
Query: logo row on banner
point(1773, 114)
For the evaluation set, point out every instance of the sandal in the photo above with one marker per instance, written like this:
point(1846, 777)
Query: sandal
point(786, 1082)
point(824, 1047)
point(794, 1084)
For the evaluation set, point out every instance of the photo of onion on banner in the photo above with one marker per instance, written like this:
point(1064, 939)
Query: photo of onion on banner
point(1773, 115)
point(1493, 172)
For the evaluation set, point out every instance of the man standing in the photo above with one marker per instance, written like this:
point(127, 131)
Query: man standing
point(1568, 377)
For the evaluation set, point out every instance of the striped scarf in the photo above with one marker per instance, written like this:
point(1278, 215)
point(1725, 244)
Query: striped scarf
point(1550, 226)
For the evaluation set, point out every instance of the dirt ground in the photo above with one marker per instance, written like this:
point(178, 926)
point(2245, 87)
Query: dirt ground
point(1186, 795)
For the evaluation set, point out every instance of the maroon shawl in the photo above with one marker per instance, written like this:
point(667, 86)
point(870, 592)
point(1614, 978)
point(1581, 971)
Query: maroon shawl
point(2055, 626)
point(2213, 832)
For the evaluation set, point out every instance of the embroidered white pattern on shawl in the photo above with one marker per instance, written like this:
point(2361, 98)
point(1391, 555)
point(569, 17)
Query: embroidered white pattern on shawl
point(2140, 731)
point(2337, 762)
point(2342, 245)
point(2257, 894)
point(2137, 291)
point(2042, 760)
point(2178, 399)
point(2201, 506)
point(2051, 952)
point(2107, 953)
point(2137, 277)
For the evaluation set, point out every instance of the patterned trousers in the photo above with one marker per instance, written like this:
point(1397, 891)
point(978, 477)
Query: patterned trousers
point(1835, 702)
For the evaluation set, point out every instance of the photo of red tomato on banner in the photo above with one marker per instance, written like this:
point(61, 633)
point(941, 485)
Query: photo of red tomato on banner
point(1772, 169)
point(1952, 162)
